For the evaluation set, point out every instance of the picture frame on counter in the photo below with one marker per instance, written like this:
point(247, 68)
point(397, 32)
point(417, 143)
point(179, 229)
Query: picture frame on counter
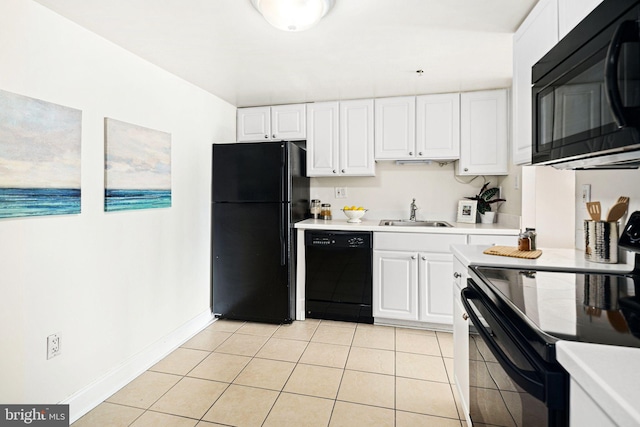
point(467, 210)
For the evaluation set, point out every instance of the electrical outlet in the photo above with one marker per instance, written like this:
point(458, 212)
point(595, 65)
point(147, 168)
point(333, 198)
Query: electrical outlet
point(586, 193)
point(341, 192)
point(53, 345)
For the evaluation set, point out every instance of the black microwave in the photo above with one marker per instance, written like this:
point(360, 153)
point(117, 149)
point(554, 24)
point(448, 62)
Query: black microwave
point(586, 93)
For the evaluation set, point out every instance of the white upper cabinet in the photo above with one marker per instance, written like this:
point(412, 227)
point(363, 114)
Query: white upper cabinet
point(277, 123)
point(356, 138)
point(571, 12)
point(484, 133)
point(340, 138)
point(254, 124)
point(438, 126)
point(537, 34)
point(323, 147)
point(395, 136)
point(423, 127)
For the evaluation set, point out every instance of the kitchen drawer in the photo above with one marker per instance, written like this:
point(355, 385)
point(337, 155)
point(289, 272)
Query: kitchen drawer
point(419, 242)
point(493, 239)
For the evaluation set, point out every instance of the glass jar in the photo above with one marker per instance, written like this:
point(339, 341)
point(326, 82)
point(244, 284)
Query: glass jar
point(315, 208)
point(532, 237)
point(325, 212)
point(524, 242)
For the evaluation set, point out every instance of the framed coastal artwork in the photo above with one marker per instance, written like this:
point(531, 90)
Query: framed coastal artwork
point(40, 145)
point(137, 167)
point(467, 210)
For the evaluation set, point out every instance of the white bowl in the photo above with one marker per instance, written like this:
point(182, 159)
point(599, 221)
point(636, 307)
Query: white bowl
point(354, 215)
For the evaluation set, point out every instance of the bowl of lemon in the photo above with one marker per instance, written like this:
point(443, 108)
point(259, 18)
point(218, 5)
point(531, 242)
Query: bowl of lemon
point(354, 213)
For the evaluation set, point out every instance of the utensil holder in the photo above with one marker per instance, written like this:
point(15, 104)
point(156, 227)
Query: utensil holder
point(601, 241)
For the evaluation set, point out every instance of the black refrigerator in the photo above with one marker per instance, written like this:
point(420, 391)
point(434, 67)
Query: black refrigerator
point(259, 190)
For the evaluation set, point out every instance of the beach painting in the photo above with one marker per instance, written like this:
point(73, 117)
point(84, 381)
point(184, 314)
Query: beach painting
point(137, 167)
point(40, 145)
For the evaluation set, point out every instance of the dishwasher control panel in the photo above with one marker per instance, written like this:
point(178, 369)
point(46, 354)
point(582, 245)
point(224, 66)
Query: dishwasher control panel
point(338, 239)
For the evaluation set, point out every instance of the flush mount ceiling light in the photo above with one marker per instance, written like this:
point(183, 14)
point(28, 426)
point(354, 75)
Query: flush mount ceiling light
point(293, 15)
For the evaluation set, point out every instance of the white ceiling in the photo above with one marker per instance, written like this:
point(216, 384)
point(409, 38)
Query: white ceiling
point(361, 49)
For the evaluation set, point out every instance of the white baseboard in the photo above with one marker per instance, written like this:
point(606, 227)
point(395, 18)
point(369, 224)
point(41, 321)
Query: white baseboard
point(95, 393)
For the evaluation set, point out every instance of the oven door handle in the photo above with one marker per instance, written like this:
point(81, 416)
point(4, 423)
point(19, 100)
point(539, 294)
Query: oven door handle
point(626, 32)
point(527, 382)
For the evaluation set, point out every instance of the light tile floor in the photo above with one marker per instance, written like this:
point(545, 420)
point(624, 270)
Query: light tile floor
point(309, 373)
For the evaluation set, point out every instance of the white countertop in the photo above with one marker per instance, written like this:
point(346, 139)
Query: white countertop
point(551, 259)
point(609, 374)
point(373, 225)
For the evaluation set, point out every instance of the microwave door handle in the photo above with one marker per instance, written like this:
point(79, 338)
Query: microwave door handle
point(529, 384)
point(626, 32)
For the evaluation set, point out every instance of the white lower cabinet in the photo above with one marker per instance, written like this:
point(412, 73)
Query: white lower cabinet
point(460, 337)
point(395, 285)
point(412, 276)
point(436, 285)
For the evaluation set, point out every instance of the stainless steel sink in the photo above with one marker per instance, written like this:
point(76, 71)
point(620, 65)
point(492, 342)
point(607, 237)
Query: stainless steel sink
point(408, 223)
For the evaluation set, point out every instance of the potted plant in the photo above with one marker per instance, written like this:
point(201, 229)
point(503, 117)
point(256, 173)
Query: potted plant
point(485, 199)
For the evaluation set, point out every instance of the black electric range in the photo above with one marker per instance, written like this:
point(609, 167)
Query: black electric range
point(586, 307)
point(519, 315)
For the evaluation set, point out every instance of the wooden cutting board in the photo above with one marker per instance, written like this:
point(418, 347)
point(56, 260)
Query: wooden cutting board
point(512, 252)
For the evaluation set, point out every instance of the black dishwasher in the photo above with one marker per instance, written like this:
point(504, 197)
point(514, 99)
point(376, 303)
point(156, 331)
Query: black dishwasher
point(338, 275)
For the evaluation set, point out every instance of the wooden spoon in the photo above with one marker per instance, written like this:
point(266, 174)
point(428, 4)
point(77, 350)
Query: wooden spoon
point(616, 211)
point(623, 199)
point(594, 210)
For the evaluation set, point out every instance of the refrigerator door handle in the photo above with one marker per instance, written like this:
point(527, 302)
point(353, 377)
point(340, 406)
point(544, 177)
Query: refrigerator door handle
point(283, 235)
point(284, 176)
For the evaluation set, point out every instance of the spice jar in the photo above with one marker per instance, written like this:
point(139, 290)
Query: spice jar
point(532, 238)
point(524, 242)
point(315, 208)
point(325, 212)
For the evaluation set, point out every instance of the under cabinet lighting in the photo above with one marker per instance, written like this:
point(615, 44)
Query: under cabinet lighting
point(412, 162)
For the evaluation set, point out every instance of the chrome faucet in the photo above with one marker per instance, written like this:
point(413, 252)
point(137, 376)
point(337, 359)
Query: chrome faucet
point(414, 208)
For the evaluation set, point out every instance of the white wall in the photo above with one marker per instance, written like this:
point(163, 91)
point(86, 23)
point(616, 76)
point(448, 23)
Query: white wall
point(111, 284)
point(388, 194)
point(548, 205)
point(606, 187)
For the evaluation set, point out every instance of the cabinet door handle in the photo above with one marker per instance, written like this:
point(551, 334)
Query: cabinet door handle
point(274, 136)
point(413, 257)
point(420, 153)
point(424, 258)
point(457, 275)
point(411, 153)
point(334, 171)
point(343, 171)
point(466, 169)
point(465, 316)
point(266, 137)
